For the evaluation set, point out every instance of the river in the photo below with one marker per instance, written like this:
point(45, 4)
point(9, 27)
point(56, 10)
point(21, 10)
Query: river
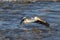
point(12, 13)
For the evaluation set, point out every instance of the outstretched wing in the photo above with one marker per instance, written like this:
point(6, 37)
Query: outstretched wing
point(22, 20)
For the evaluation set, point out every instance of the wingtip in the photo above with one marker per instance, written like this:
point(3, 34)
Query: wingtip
point(22, 20)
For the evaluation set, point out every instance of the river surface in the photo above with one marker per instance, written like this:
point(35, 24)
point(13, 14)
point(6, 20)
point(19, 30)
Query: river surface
point(12, 13)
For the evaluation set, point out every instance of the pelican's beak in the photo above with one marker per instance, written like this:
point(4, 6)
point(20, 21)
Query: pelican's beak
point(38, 20)
point(45, 23)
point(42, 22)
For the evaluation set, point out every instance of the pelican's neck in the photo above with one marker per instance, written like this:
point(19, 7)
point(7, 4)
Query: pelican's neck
point(37, 18)
point(26, 21)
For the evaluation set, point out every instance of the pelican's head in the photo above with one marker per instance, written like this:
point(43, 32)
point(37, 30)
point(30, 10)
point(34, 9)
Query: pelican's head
point(40, 21)
point(37, 18)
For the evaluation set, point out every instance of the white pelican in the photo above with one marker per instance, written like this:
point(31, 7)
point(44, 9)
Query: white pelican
point(34, 20)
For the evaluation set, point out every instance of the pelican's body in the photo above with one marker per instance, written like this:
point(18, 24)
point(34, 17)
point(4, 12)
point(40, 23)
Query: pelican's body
point(34, 20)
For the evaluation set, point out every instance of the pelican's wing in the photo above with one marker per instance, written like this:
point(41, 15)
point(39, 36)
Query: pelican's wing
point(22, 20)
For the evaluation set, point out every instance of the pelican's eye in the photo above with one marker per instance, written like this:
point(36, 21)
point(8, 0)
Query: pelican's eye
point(36, 18)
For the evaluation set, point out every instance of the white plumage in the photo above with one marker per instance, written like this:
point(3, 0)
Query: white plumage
point(34, 20)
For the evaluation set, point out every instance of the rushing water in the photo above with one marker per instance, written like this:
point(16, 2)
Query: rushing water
point(12, 13)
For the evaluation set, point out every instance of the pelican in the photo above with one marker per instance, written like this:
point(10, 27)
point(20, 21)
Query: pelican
point(34, 20)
